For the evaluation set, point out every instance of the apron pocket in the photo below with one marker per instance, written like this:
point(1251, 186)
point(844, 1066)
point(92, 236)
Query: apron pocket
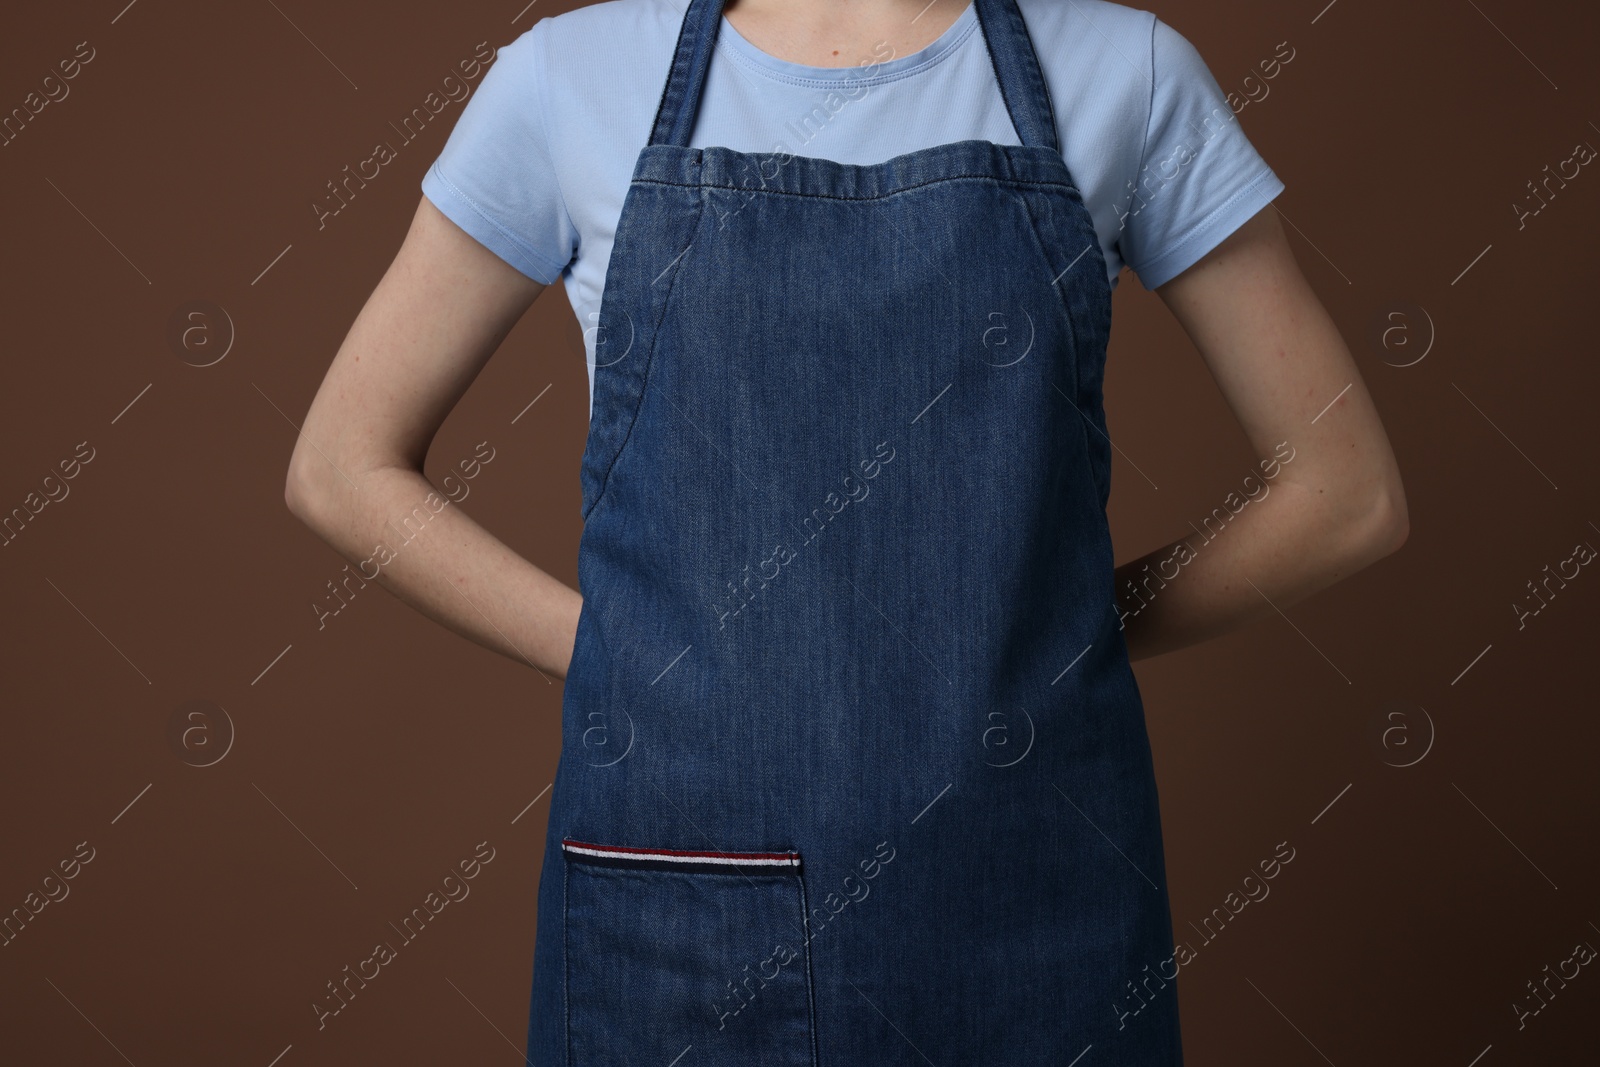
point(671, 950)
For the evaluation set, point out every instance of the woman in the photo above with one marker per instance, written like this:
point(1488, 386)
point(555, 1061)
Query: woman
point(854, 765)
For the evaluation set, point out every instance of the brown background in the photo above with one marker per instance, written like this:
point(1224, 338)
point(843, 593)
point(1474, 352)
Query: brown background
point(372, 755)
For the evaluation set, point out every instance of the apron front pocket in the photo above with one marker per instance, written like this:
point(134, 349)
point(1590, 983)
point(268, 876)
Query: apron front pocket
point(672, 951)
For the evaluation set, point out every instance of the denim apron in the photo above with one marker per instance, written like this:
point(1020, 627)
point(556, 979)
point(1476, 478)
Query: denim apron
point(854, 768)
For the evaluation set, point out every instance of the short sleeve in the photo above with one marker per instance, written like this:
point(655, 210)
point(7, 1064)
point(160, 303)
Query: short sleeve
point(495, 177)
point(1199, 176)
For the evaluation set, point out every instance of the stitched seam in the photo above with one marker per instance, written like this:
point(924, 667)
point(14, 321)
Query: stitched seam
point(994, 68)
point(673, 81)
point(1079, 400)
point(1037, 76)
point(880, 196)
point(516, 241)
point(644, 384)
point(1206, 225)
point(566, 961)
point(1060, 297)
point(834, 83)
point(1010, 25)
point(805, 941)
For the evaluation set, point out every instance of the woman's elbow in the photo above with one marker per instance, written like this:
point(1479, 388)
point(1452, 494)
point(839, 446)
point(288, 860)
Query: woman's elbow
point(1384, 523)
point(300, 488)
point(294, 497)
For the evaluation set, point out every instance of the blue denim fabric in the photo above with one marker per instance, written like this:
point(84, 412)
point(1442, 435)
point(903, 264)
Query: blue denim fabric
point(848, 600)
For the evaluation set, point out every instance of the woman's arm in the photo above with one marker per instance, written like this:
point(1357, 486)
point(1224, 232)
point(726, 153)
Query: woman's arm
point(1334, 507)
point(435, 318)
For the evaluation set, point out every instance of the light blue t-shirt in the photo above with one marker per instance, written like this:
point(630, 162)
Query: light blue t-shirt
point(540, 158)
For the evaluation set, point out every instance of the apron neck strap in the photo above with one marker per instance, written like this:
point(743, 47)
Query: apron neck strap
point(1016, 69)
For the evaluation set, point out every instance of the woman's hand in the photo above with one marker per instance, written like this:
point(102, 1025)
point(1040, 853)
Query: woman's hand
point(1336, 506)
point(435, 318)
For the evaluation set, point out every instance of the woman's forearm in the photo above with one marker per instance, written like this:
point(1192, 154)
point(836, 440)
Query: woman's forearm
point(402, 532)
point(1250, 560)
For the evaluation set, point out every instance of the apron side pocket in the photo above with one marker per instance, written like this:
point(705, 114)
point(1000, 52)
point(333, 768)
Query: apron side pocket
point(671, 949)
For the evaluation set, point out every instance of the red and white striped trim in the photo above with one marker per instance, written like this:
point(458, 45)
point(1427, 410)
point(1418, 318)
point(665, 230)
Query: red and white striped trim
point(624, 855)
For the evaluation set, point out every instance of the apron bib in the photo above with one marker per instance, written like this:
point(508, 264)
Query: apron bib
point(854, 767)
